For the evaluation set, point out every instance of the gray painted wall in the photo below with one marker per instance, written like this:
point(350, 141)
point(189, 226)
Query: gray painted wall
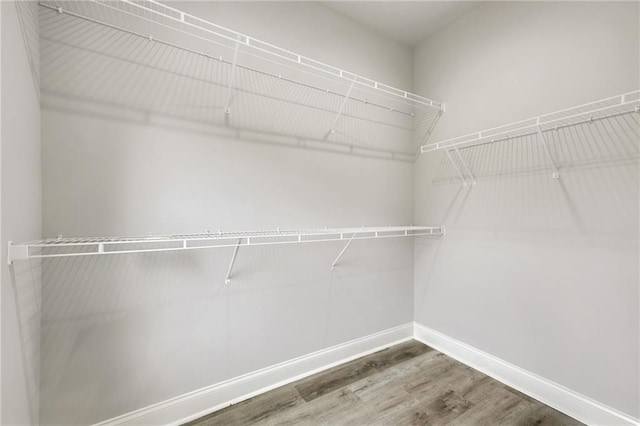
point(542, 273)
point(21, 221)
point(123, 332)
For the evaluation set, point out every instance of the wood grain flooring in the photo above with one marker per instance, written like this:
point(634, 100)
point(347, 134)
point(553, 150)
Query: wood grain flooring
point(408, 384)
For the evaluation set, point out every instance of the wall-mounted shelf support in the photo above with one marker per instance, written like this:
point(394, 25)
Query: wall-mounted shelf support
point(227, 107)
point(16, 252)
point(432, 126)
point(466, 168)
point(340, 111)
point(543, 141)
point(227, 280)
point(335, 262)
point(457, 169)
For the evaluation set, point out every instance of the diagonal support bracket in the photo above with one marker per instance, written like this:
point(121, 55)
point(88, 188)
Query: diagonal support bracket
point(340, 112)
point(427, 134)
point(227, 106)
point(457, 169)
point(543, 141)
point(335, 262)
point(227, 280)
point(429, 130)
point(466, 168)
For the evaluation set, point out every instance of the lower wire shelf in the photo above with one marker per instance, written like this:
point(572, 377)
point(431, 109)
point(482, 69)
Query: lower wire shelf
point(96, 246)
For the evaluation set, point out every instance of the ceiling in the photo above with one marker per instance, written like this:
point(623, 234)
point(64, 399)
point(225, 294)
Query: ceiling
point(407, 22)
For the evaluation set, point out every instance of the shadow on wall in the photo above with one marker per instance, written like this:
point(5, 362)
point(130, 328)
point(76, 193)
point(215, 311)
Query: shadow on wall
point(93, 68)
point(26, 288)
point(28, 17)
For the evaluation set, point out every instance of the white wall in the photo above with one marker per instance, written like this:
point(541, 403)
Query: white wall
point(123, 332)
point(540, 272)
point(21, 221)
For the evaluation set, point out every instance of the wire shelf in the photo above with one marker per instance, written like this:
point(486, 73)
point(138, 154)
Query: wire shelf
point(93, 246)
point(603, 109)
point(145, 56)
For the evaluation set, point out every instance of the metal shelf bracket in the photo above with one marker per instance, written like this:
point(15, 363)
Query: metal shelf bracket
point(466, 168)
point(430, 130)
point(332, 130)
point(455, 166)
point(462, 174)
point(16, 252)
point(335, 262)
point(227, 107)
point(227, 280)
point(543, 141)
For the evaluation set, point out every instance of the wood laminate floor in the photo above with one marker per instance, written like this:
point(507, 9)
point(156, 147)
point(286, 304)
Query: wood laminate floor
point(407, 384)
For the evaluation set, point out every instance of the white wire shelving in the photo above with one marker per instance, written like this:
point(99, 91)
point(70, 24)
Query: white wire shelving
point(100, 246)
point(150, 57)
point(537, 127)
point(92, 246)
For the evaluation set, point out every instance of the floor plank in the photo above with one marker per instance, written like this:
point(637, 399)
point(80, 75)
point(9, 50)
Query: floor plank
point(341, 376)
point(407, 384)
point(254, 410)
point(328, 381)
point(329, 409)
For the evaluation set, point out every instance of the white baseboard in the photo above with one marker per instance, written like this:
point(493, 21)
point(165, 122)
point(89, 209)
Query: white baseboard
point(203, 401)
point(554, 395)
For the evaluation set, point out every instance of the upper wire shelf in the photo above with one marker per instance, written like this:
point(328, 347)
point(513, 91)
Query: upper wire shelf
point(587, 113)
point(604, 131)
point(93, 246)
point(156, 11)
point(148, 57)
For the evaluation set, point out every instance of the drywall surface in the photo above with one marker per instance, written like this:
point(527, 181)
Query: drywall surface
point(122, 332)
point(540, 272)
point(21, 221)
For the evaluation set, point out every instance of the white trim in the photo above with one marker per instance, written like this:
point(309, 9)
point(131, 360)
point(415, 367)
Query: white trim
point(201, 402)
point(550, 393)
